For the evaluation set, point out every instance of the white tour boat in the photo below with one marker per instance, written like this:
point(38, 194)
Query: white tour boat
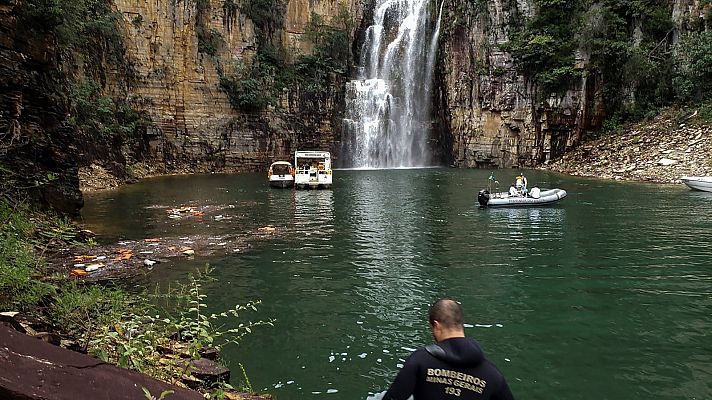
point(703, 183)
point(313, 169)
point(281, 174)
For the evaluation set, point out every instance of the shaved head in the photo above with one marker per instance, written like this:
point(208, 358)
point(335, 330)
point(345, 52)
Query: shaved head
point(447, 312)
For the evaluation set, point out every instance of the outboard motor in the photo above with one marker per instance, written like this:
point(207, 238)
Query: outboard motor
point(483, 197)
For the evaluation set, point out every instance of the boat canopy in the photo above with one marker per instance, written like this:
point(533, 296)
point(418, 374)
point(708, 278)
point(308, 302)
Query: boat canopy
point(280, 168)
point(317, 159)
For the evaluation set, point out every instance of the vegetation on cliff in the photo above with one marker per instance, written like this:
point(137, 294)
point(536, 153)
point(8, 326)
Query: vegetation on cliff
point(306, 76)
point(70, 88)
point(628, 44)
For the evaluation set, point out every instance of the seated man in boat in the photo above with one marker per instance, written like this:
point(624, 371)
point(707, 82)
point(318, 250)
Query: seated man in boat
point(513, 191)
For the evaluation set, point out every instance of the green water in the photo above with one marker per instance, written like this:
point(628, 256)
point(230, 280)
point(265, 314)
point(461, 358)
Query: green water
point(606, 295)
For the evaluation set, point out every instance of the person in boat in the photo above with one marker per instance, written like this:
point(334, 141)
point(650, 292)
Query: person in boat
point(453, 368)
point(521, 184)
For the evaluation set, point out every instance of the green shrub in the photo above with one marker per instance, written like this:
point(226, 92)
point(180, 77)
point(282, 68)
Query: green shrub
point(98, 115)
point(705, 111)
point(83, 311)
point(134, 334)
point(267, 15)
point(209, 42)
point(693, 67)
point(247, 94)
point(20, 288)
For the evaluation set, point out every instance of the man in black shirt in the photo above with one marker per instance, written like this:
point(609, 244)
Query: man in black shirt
point(453, 368)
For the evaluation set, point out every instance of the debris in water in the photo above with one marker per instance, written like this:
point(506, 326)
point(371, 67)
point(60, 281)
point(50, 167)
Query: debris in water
point(93, 267)
point(267, 229)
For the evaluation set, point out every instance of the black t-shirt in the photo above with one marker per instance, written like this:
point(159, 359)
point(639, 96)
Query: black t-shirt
point(455, 368)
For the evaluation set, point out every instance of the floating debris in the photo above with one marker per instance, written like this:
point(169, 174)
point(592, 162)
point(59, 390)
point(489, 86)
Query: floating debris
point(123, 255)
point(93, 267)
point(131, 257)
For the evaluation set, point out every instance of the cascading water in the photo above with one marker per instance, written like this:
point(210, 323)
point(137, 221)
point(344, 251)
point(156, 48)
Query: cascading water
point(388, 108)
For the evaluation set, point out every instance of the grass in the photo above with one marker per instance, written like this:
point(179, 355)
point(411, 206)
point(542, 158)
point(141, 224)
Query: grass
point(156, 334)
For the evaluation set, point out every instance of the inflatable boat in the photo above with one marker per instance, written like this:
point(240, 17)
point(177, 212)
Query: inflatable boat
point(535, 197)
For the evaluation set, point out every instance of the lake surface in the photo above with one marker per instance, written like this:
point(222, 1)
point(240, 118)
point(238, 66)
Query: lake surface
point(607, 295)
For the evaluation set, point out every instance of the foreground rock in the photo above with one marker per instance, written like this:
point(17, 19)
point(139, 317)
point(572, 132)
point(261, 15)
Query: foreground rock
point(662, 150)
point(33, 369)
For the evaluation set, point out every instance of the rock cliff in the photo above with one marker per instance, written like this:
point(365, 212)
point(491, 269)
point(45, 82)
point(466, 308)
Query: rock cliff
point(489, 110)
point(36, 154)
point(194, 125)
point(492, 112)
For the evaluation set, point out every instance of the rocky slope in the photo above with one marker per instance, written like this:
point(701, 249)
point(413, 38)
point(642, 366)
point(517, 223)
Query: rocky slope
point(672, 145)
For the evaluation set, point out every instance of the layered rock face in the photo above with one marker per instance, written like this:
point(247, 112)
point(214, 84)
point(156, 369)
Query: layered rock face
point(493, 115)
point(195, 127)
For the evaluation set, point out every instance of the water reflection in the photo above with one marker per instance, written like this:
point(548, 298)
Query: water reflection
point(314, 218)
point(616, 275)
point(386, 252)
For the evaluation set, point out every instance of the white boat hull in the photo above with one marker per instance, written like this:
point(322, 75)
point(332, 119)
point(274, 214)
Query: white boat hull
point(703, 183)
point(281, 181)
point(504, 199)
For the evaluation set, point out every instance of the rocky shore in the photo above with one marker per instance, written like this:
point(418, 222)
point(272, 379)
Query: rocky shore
point(672, 145)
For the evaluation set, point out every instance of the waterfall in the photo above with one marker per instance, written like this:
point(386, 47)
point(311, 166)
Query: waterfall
point(388, 107)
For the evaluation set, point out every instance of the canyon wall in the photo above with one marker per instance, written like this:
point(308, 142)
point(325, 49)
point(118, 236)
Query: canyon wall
point(493, 112)
point(494, 116)
point(194, 125)
point(488, 110)
point(37, 156)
